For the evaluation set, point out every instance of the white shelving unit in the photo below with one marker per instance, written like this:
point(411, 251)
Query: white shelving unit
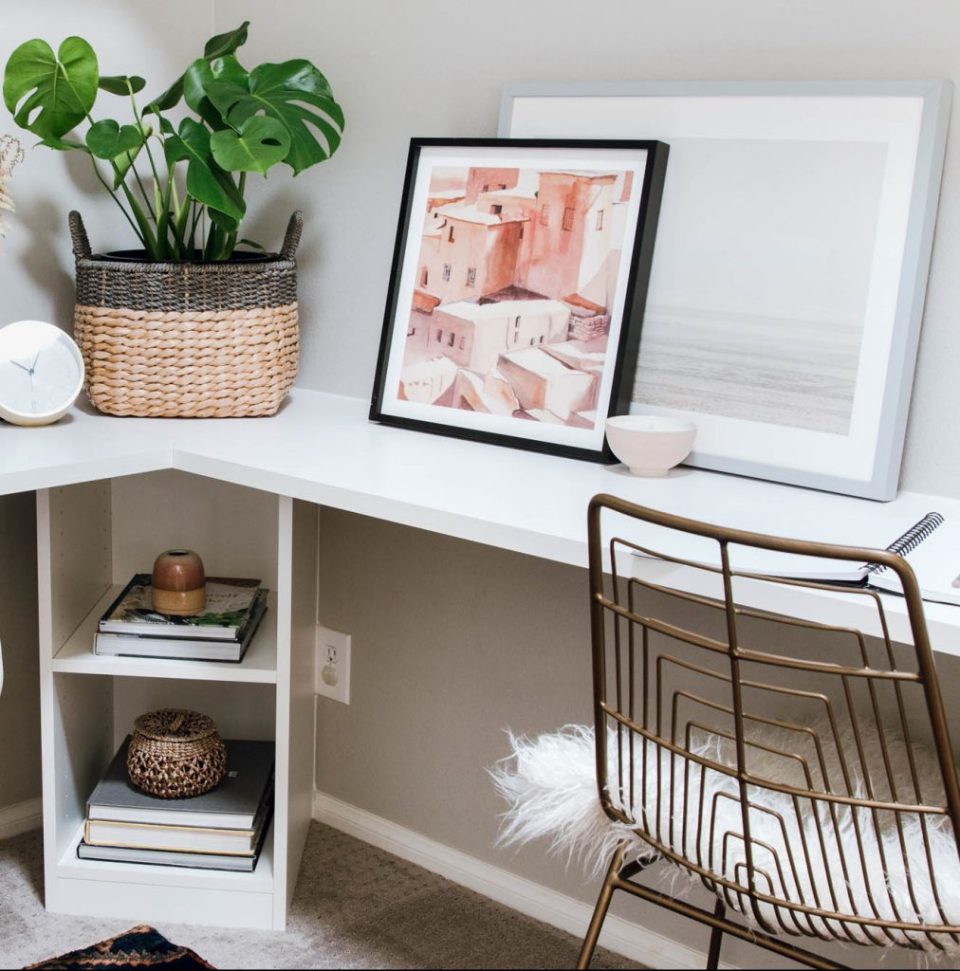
point(244, 492)
point(91, 538)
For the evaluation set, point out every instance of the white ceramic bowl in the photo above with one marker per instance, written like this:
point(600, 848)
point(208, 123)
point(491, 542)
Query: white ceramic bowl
point(650, 444)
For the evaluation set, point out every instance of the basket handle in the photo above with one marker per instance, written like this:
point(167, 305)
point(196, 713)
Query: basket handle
point(78, 233)
point(292, 238)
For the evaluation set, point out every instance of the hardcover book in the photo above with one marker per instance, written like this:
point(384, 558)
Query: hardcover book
point(231, 805)
point(231, 604)
point(181, 839)
point(182, 648)
point(200, 861)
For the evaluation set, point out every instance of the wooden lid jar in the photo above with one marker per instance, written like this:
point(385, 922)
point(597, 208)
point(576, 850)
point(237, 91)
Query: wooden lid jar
point(179, 584)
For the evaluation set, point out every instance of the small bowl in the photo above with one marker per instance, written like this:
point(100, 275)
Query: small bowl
point(650, 445)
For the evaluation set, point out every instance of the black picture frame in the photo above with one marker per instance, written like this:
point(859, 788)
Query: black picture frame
point(441, 219)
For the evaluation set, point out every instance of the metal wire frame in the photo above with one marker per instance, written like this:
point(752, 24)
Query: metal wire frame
point(659, 687)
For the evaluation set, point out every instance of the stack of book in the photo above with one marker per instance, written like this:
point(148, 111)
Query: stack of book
point(222, 632)
point(223, 829)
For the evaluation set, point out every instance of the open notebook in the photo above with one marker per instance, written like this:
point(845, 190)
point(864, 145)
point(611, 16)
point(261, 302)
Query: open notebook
point(931, 547)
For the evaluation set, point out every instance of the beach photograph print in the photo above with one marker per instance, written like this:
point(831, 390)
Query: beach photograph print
point(511, 299)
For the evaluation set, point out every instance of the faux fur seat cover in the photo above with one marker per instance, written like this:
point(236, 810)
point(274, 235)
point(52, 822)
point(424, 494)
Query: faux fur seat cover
point(550, 785)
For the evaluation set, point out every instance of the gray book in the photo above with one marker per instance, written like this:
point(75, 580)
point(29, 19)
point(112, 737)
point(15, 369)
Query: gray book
point(231, 805)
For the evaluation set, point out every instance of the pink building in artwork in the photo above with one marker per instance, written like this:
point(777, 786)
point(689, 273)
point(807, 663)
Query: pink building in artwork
point(511, 308)
point(572, 253)
point(467, 253)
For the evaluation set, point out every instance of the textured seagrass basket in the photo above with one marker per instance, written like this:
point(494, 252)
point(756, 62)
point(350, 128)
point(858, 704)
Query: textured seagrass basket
point(176, 754)
point(187, 340)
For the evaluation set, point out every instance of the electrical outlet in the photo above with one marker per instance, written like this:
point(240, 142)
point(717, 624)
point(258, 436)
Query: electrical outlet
point(333, 665)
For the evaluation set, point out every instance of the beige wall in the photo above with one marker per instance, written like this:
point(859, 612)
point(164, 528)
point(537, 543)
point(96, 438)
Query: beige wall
point(453, 643)
point(20, 698)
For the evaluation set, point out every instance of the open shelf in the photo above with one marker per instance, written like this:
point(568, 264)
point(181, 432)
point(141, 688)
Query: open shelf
point(259, 664)
point(92, 538)
point(259, 881)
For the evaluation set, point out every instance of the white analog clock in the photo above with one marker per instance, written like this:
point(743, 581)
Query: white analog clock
point(41, 373)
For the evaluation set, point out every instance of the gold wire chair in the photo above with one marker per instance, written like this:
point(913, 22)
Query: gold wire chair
point(801, 771)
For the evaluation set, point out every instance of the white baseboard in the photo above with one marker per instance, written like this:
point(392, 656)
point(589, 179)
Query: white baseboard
point(21, 818)
point(631, 940)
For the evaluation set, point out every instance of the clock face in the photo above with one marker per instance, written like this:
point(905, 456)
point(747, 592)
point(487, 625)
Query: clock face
point(41, 372)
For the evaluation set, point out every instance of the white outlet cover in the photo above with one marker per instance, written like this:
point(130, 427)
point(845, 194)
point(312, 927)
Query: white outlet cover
point(332, 663)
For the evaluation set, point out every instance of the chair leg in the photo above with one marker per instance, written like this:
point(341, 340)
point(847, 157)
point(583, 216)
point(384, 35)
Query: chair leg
point(716, 938)
point(603, 905)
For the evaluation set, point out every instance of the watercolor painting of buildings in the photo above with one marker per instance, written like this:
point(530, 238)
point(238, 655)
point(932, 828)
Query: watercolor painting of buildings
point(517, 272)
point(514, 292)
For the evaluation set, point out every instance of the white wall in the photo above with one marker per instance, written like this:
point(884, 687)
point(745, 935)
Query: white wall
point(130, 37)
point(36, 281)
point(436, 68)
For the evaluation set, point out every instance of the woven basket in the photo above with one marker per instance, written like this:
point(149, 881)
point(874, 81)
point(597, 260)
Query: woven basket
point(187, 340)
point(176, 754)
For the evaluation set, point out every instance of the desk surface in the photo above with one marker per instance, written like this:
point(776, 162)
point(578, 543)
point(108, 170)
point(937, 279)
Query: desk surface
point(321, 448)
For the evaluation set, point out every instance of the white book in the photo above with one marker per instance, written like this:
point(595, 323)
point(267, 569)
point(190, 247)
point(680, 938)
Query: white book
point(180, 839)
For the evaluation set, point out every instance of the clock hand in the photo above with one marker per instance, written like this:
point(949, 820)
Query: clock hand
point(26, 370)
point(33, 366)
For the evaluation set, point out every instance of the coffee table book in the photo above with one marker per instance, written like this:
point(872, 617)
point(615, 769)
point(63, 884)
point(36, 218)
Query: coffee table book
point(184, 648)
point(229, 609)
point(233, 804)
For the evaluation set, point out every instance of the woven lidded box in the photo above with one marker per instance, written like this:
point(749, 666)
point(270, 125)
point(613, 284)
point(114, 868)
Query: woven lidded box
point(187, 340)
point(176, 754)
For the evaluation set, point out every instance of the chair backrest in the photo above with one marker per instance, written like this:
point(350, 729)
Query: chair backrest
point(801, 769)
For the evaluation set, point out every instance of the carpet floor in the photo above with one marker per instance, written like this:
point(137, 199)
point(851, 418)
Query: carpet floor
point(355, 907)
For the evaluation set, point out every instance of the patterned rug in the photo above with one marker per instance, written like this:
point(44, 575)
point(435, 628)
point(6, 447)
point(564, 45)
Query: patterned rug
point(139, 947)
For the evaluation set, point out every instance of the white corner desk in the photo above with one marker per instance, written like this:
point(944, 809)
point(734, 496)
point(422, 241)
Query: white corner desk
point(111, 493)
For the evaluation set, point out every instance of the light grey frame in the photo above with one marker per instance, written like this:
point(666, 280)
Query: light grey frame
point(917, 244)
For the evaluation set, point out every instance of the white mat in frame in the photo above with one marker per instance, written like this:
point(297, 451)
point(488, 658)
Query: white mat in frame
point(791, 262)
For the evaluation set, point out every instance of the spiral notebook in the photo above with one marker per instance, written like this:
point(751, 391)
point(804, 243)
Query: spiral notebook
point(931, 547)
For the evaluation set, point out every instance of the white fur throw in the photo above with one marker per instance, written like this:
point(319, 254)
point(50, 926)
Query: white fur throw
point(550, 785)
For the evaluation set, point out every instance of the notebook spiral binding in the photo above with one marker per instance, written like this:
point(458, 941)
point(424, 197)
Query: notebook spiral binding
point(911, 539)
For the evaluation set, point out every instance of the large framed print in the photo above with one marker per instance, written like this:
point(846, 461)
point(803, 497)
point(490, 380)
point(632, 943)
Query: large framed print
point(517, 289)
point(787, 289)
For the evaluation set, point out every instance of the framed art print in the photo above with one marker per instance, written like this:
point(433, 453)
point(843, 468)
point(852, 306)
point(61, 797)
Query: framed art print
point(517, 289)
point(786, 294)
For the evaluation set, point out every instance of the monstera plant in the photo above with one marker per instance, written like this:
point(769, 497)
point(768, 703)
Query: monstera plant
point(179, 176)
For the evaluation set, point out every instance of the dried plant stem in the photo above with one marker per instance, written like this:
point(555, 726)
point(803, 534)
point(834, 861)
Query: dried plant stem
point(11, 154)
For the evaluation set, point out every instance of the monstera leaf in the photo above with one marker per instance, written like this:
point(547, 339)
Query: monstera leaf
point(206, 181)
point(122, 84)
point(259, 145)
point(200, 75)
point(219, 46)
point(294, 93)
point(118, 145)
point(107, 140)
point(49, 94)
